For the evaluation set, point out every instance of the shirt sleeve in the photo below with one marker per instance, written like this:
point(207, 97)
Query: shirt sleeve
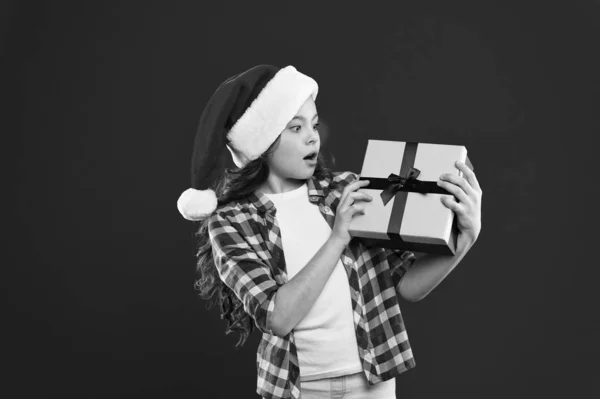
point(399, 261)
point(241, 269)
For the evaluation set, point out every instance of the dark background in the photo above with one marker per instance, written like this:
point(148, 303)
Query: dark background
point(104, 98)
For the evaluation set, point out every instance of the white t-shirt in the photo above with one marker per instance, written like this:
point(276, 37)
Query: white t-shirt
point(325, 337)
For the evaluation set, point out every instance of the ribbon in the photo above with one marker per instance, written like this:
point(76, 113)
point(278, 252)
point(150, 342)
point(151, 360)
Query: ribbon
point(405, 182)
point(398, 182)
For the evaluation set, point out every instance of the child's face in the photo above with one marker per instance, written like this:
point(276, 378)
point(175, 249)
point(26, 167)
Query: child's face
point(298, 139)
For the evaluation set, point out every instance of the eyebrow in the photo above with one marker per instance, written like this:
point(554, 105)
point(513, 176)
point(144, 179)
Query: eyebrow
point(303, 118)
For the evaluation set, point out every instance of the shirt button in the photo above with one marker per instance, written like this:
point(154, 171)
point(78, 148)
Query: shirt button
point(326, 209)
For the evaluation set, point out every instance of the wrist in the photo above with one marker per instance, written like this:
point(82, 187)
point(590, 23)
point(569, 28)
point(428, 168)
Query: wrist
point(337, 242)
point(463, 244)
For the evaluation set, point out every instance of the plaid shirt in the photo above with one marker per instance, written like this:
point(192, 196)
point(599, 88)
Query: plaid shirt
point(248, 254)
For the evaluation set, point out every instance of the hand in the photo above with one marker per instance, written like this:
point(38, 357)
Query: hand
point(347, 208)
point(468, 207)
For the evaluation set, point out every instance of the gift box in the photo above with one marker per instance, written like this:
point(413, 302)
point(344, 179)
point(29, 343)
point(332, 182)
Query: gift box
point(406, 212)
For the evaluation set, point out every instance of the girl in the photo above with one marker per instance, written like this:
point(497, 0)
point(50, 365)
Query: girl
point(275, 249)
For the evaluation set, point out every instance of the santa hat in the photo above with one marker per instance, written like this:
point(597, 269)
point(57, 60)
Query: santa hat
point(245, 114)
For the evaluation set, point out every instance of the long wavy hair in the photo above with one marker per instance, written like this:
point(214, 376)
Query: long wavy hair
point(232, 185)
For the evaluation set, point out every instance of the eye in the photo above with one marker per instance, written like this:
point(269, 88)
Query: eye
point(297, 128)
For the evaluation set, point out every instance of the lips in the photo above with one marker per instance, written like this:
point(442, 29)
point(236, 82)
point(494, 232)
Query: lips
point(311, 156)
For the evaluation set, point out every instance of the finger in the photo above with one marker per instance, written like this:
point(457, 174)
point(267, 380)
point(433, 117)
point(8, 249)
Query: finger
point(345, 194)
point(351, 200)
point(468, 174)
point(359, 183)
point(357, 209)
point(350, 189)
point(360, 196)
point(354, 185)
point(452, 204)
point(346, 200)
point(456, 186)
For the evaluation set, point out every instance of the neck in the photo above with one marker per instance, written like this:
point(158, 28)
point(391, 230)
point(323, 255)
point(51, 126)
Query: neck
point(280, 187)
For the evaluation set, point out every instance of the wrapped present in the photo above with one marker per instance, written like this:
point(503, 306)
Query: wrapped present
point(406, 212)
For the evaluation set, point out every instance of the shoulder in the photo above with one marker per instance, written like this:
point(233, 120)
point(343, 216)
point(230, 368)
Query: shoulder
point(231, 214)
point(232, 229)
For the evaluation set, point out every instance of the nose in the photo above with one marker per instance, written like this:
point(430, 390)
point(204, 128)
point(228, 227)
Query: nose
point(313, 136)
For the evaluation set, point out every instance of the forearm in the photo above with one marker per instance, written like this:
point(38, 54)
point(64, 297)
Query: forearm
point(427, 272)
point(294, 299)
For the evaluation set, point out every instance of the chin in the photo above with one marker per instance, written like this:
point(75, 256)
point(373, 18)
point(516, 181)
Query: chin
point(303, 176)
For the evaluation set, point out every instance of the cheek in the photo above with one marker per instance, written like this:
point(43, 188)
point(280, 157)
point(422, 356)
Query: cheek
point(288, 157)
point(279, 158)
point(287, 150)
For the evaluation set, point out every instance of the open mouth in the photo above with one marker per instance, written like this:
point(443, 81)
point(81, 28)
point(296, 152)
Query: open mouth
point(311, 157)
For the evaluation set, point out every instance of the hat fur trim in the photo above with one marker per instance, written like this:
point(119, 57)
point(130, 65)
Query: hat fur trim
point(269, 113)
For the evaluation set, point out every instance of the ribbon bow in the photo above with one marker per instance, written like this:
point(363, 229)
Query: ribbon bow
point(397, 182)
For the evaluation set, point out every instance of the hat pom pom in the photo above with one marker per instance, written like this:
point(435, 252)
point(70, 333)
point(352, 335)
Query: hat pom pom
point(195, 204)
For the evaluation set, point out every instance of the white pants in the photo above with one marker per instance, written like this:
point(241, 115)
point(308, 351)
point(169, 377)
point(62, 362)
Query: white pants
point(353, 386)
